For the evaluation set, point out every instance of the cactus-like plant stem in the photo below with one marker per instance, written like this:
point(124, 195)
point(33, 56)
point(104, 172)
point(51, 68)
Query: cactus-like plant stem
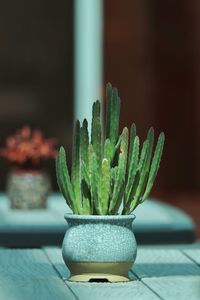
point(96, 132)
point(155, 165)
point(112, 120)
point(107, 172)
point(119, 183)
point(104, 188)
point(76, 172)
point(84, 142)
point(64, 180)
point(133, 164)
point(93, 175)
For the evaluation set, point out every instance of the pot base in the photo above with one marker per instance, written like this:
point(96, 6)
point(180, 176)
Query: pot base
point(99, 271)
point(92, 277)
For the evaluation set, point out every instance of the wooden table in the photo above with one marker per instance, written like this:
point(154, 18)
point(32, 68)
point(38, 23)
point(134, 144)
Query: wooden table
point(156, 223)
point(159, 273)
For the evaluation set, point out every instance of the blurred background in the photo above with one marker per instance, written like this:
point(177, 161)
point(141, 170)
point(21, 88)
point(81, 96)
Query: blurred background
point(151, 52)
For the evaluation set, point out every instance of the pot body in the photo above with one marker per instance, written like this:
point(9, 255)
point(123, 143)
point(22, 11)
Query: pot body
point(28, 189)
point(99, 246)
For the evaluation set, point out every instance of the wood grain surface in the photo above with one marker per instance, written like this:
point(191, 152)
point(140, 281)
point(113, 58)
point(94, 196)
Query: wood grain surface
point(27, 274)
point(159, 273)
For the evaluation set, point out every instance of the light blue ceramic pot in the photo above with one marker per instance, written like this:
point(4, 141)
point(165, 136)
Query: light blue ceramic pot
point(99, 247)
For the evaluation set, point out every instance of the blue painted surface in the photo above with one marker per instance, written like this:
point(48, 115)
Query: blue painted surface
point(156, 223)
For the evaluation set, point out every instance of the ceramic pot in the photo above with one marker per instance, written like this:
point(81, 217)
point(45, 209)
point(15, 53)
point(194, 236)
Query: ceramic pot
point(28, 189)
point(99, 247)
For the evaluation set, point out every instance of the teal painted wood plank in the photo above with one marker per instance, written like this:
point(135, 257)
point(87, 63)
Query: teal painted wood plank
point(109, 291)
point(54, 254)
point(134, 290)
point(169, 273)
point(175, 287)
point(193, 254)
point(27, 274)
point(163, 262)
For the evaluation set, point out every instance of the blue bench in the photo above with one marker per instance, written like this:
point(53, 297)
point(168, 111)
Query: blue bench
point(156, 223)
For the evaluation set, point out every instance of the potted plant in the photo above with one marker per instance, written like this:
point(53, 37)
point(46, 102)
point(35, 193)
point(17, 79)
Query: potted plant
point(110, 177)
point(28, 184)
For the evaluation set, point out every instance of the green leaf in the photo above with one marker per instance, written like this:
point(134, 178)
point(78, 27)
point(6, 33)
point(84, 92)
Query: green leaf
point(132, 139)
point(109, 98)
point(150, 138)
point(85, 172)
point(84, 142)
point(104, 187)
point(108, 150)
point(124, 147)
point(86, 198)
point(63, 180)
point(143, 155)
point(142, 179)
point(120, 199)
point(96, 132)
point(154, 165)
point(113, 112)
point(113, 176)
point(143, 168)
point(76, 172)
point(124, 142)
point(119, 182)
point(133, 165)
point(94, 177)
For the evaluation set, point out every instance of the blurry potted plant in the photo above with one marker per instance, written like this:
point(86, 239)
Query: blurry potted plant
point(28, 184)
point(110, 177)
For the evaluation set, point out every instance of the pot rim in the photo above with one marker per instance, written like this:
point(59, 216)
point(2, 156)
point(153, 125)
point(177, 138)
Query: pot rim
point(27, 172)
point(71, 216)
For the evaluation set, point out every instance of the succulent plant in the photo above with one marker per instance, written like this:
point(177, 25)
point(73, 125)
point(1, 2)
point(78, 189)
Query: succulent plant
point(108, 169)
point(28, 148)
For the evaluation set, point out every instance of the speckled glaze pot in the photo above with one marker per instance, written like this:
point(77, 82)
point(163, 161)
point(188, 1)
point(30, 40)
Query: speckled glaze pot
point(99, 247)
point(28, 189)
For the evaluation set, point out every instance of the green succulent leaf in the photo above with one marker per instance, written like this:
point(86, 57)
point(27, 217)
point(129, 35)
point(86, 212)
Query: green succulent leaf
point(155, 165)
point(113, 112)
point(133, 165)
point(76, 171)
point(107, 171)
point(150, 139)
point(84, 142)
point(119, 183)
point(113, 176)
point(142, 178)
point(104, 187)
point(86, 198)
point(132, 139)
point(94, 178)
point(124, 143)
point(63, 179)
point(143, 155)
point(108, 151)
point(96, 132)
point(135, 194)
point(85, 173)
